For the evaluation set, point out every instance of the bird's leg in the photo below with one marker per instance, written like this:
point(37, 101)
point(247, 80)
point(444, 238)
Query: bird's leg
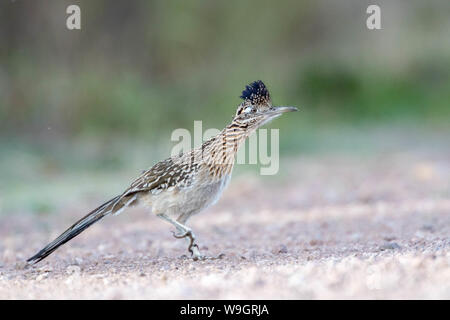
point(185, 232)
point(193, 247)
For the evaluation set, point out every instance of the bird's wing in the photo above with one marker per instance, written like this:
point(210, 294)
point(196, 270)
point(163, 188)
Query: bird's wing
point(162, 176)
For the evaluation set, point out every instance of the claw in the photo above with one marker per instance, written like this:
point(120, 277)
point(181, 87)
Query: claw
point(191, 237)
point(204, 258)
point(196, 258)
point(184, 235)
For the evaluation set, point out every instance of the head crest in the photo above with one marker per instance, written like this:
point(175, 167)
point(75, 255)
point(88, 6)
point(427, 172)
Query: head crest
point(256, 92)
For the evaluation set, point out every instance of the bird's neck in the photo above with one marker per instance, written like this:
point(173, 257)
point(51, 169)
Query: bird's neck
point(220, 151)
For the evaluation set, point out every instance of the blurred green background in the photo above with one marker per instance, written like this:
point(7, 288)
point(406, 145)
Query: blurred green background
point(83, 111)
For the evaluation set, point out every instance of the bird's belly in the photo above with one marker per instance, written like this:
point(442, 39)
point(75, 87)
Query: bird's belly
point(188, 200)
point(206, 195)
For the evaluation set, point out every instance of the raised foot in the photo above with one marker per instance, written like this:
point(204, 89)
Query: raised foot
point(193, 248)
point(187, 233)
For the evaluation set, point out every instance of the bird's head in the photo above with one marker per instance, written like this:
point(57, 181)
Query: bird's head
point(257, 109)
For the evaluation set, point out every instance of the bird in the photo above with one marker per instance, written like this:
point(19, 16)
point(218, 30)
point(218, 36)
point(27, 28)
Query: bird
point(181, 186)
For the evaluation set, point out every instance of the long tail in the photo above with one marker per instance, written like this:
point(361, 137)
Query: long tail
point(79, 226)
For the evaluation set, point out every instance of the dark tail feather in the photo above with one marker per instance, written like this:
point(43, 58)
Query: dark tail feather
point(75, 230)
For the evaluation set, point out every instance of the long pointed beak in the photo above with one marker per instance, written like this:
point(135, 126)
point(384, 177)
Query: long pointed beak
point(283, 109)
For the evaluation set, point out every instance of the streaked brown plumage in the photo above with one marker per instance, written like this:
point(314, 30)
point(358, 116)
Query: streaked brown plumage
point(181, 186)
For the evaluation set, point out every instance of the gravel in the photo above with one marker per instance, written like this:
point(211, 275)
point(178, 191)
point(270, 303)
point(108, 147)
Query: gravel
point(326, 228)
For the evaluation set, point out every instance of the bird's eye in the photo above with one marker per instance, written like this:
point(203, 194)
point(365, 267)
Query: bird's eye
point(248, 109)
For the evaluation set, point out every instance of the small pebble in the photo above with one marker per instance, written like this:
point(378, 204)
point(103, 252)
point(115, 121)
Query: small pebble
point(314, 242)
point(283, 249)
point(390, 246)
point(74, 269)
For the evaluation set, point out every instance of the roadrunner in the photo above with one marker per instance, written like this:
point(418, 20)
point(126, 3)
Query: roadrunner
point(183, 185)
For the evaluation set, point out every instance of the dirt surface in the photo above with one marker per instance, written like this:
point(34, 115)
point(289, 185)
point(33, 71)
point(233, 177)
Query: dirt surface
point(331, 227)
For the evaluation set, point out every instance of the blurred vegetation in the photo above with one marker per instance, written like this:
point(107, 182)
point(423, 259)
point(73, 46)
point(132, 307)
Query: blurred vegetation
point(96, 98)
point(139, 68)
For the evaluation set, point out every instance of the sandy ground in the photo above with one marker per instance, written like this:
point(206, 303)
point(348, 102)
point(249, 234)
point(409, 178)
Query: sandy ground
point(334, 227)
